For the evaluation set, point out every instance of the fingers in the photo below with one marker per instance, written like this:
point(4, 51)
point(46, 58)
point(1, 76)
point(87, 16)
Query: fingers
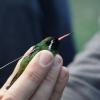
point(31, 78)
point(3, 89)
point(45, 90)
point(61, 83)
point(15, 70)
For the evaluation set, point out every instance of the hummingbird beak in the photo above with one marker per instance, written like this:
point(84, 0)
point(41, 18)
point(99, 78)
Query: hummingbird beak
point(62, 37)
point(59, 39)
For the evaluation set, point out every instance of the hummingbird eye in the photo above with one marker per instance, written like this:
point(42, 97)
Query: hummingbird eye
point(48, 42)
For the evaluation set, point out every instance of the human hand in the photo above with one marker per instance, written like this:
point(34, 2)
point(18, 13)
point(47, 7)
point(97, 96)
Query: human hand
point(43, 79)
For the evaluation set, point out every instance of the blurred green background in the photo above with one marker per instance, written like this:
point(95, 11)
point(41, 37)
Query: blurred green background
point(85, 20)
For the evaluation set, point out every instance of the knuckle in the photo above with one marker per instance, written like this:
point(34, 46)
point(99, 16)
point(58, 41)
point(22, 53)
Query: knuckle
point(58, 92)
point(34, 76)
point(1, 93)
point(52, 76)
point(7, 97)
point(1, 96)
point(50, 79)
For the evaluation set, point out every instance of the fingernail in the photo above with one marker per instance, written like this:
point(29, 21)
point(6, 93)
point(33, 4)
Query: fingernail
point(46, 58)
point(58, 60)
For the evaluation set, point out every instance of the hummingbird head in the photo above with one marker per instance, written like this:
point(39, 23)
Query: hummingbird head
point(49, 43)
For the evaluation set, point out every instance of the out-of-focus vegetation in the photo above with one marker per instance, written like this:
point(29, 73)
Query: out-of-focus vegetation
point(85, 20)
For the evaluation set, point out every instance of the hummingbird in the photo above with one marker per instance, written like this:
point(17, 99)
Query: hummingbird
point(49, 43)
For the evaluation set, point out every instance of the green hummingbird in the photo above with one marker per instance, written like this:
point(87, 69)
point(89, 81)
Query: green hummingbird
point(49, 43)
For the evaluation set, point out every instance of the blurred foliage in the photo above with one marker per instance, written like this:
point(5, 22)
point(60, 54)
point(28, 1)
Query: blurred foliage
point(85, 14)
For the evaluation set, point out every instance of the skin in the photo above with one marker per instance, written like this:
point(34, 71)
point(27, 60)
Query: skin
point(49, 43)
point(40, 81)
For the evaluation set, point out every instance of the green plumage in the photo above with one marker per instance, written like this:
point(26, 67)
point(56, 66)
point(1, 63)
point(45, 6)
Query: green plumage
point(49, 43)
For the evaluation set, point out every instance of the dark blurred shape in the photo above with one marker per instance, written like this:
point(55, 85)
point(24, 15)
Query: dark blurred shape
point(25, 22)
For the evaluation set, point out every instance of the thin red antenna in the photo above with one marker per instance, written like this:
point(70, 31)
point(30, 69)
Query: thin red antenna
point(62, 37)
